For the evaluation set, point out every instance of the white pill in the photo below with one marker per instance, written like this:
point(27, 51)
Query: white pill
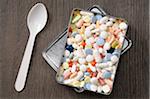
point(102, 65)
point(98, 59)
point(87, 32)
point(67, 53)
point(104, 20)
point(83, 68)
point(114, 69)
point(94, 80)
point(112, 76)
point(99, 89)
point(67, 60)
point(86, 13)
point(80, 53)
point(75, 58)
point(106, 46)
point(121, 34)
point(106, 88)
point(104, 34)
point(114, 59)
point(95, 46)
point(110, 23)
point(108, 82)
point(121, 39)
point(101, 50)
point(68, 81)
point(93, 87)
point(75, 45)
point(89, 58)
point(66, 71)
point(93, 69)
point(79, 75)
point(95, 30)
point(86, 19)
point(115, 26)
point(123, 25)
point(69, 41)
point(112, 19)
point(73, 69)
point(92, 26)
point(95, 52)
point(91, 39)
point(79, 47)
point(82, 60)
point(88, 42)
point(103, 27)
point(78, 38)
point(99, 75)
point(110, 63)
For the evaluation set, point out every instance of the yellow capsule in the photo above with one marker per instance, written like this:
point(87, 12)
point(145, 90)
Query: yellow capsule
point(76, 12)
point(82, 83)
point(87, 19)
point(87, 79)
point(114, 44)
point(76, 83)
point(65, 65)
point(86, 24)
point(74, 30)
point(119, 46)
point(73, 26)
point(88, 46)
point(97, 24)
point(82, 30)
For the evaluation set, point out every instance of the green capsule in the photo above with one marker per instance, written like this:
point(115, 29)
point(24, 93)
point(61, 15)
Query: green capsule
point(76, 18)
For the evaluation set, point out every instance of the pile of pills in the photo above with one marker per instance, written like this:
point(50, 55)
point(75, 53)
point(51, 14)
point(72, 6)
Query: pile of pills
point(92, 51)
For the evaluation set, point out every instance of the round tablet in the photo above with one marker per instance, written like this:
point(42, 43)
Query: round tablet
point(78, 38)
point(106, 89)
point(104, 34)
point(88, 51)
point(123, 25)
point(89, 58)
point(106, 46)
point(114, 58)
point(83, 68)
point(100, 41)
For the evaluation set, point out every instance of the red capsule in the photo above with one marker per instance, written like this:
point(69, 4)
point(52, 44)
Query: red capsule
point(70, 29)
point(94, 74)
point(83, 44)
point(93, 63)
point(70, 64)
point(89, 70)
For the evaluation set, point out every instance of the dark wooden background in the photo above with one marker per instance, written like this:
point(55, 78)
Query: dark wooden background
point(132, 75)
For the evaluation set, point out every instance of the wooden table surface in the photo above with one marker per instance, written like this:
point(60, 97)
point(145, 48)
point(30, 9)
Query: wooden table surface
point(132, 75)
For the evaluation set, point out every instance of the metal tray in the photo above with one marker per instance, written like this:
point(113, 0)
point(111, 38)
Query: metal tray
point(53, 53)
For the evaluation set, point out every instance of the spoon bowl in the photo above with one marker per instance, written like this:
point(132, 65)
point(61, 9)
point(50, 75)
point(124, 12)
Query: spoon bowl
point(37, 18)
point(36, 21)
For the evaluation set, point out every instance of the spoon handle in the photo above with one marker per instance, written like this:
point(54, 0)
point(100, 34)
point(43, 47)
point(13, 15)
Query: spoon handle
point(22, 74)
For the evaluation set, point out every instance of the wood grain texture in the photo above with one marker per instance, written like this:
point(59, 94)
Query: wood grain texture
point(132, 75)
